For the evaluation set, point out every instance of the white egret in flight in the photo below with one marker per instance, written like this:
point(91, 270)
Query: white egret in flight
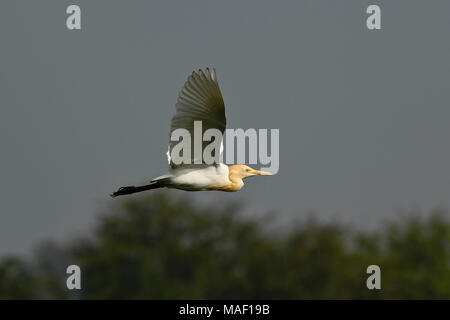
point(199, 100)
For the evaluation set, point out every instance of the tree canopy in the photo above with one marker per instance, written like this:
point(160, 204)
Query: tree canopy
point(156, 247)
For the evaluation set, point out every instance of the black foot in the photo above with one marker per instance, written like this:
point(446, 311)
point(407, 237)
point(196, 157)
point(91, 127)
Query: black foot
point(123, 191)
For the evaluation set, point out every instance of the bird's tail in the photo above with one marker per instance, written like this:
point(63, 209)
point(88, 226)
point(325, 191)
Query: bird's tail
point(132, 189)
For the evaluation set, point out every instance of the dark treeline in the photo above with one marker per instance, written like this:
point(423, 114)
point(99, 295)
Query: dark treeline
point(158, 247)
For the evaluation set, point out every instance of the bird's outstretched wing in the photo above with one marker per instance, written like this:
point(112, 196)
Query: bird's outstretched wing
point(200, 99)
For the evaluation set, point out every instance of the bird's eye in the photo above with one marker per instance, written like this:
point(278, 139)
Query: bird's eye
point(248, 170)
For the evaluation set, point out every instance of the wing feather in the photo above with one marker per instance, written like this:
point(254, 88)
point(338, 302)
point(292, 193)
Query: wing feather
point(200, 99)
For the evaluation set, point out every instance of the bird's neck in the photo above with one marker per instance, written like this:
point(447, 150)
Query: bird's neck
point(236, 183)
point(235, 179)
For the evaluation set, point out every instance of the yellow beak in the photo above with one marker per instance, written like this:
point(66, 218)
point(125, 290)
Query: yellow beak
point(261, 173)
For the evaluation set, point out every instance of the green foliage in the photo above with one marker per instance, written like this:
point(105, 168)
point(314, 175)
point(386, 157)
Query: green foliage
point(16, 281)
point(157, 247)
point(416, 259)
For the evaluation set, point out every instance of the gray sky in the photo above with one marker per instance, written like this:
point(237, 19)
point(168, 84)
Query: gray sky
point(364, 116)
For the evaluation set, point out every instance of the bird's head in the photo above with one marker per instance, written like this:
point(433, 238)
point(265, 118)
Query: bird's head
point(243, 171)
